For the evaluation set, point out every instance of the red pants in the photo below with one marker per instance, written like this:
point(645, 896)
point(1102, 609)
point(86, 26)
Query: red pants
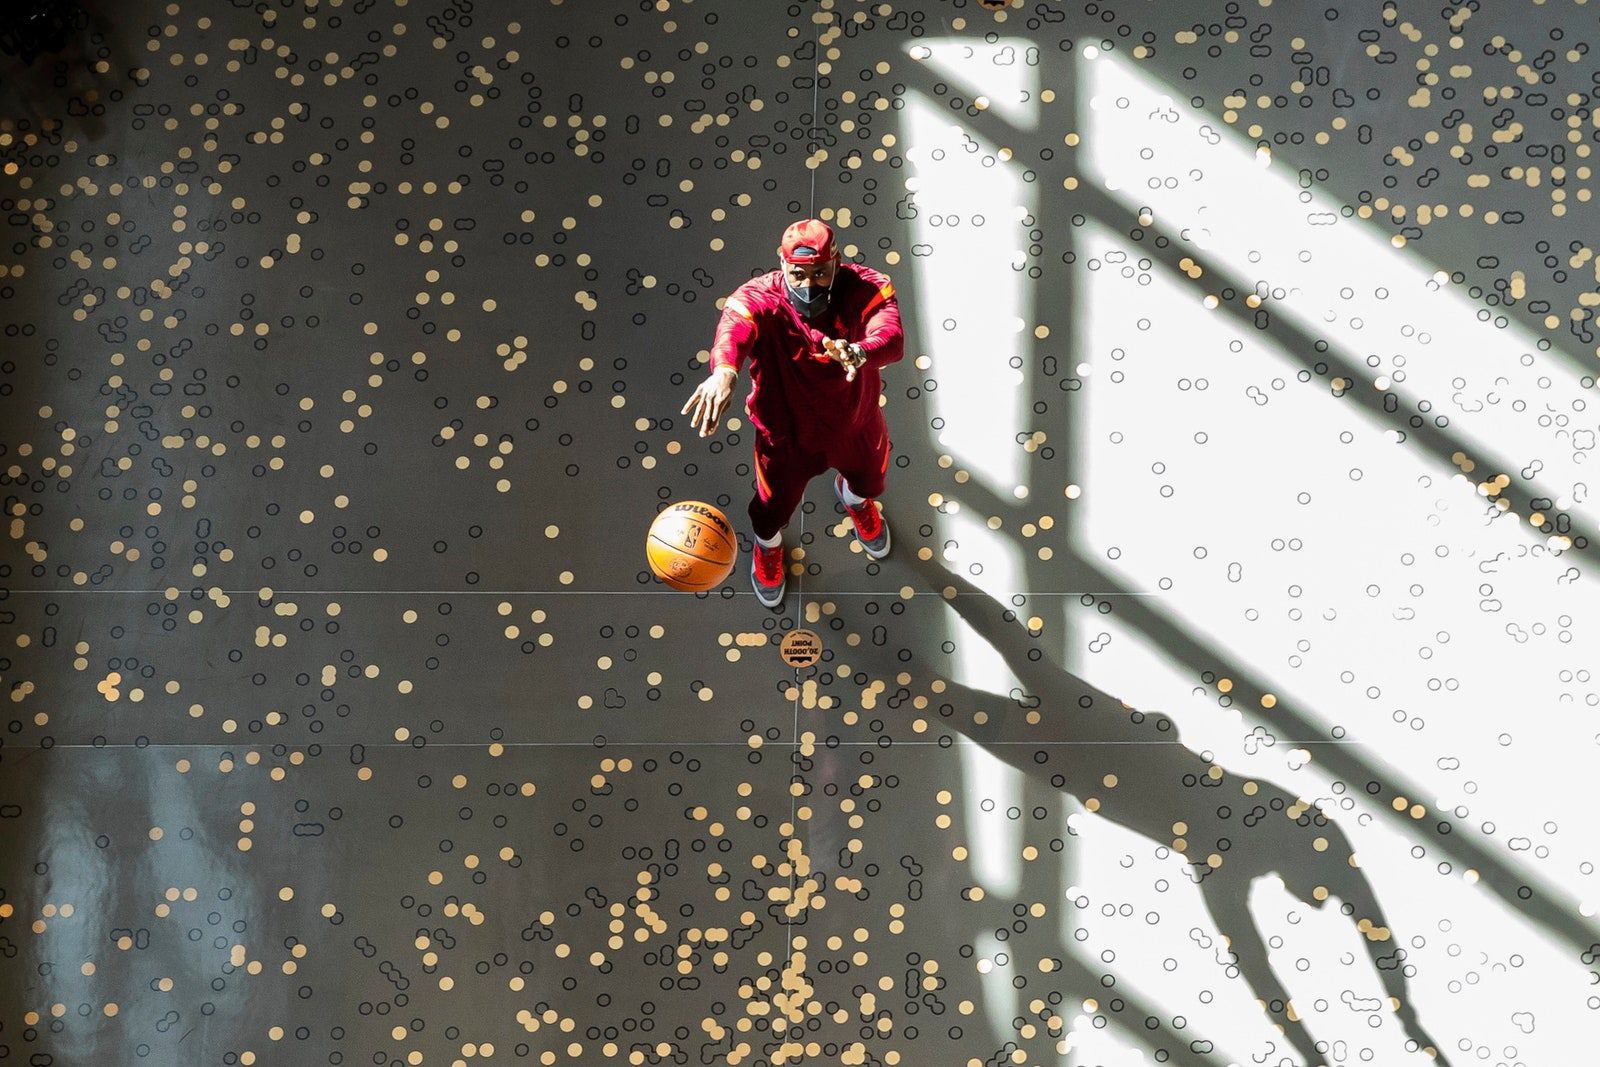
point(782, 472)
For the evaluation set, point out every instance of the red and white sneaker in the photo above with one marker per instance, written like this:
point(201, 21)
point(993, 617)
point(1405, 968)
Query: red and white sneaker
point(871, 530)
point(766, 573)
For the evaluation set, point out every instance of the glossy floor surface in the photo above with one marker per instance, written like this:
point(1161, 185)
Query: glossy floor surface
point(1226, 698)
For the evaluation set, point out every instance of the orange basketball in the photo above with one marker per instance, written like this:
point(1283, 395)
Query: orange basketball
point(691, 546)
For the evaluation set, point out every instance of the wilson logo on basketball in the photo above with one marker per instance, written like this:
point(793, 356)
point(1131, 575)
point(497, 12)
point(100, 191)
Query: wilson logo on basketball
point(708, 512)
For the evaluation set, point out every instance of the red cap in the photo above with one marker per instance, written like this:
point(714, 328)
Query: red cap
point(807, 241)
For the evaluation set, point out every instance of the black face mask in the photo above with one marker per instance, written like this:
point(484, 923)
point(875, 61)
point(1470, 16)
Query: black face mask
point(811, 301)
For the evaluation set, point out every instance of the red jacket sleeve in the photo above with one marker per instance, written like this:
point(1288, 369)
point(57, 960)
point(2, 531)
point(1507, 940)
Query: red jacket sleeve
point(882, 340)
point(736, 332)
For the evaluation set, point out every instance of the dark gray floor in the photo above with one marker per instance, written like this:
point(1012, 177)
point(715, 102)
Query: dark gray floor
point(344, 347)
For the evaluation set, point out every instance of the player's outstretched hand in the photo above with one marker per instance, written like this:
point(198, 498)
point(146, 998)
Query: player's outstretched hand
point(710, 400)
point(848, 355)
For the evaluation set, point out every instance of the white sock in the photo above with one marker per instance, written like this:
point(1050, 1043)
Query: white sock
point(849, 495)
point(777, 539)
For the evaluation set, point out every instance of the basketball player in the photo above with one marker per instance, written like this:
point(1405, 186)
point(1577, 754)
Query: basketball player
point(814, 334)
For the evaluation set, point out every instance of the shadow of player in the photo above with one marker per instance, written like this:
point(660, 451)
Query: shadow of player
point(1230, 831)
point(1167, 1040)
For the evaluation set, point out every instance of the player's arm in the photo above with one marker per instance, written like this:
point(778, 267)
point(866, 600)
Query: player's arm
point(883, 341)
point(735, 339)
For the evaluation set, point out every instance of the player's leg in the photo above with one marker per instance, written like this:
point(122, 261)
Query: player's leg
point(862, 460)
point(782, 472)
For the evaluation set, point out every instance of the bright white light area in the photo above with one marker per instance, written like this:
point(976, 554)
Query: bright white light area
point(1290, 534)
point(1000, 76)
point(967, 233)
point(1398, 597)
point(1356, 577)
point(1450, 914)
point(1164, 948)
point(1286, 527)
point(1341, 279)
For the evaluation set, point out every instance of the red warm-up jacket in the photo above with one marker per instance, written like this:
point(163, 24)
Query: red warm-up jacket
point(798, 392)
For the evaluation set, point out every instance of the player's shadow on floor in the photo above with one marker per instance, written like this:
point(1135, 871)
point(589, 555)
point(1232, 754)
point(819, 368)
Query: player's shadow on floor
point(1520, 890)
point(1232, 833)
point(1434, 439)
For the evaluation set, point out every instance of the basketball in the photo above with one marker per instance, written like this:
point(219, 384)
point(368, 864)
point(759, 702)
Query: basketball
point(691, 546)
